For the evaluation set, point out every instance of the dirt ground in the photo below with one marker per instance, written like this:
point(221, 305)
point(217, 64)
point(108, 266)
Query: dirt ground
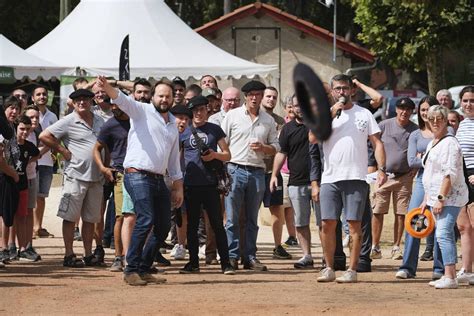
point(48, 288)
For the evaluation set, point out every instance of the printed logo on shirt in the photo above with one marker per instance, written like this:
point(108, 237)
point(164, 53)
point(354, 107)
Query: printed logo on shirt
point(203, 136)
point(361, 125)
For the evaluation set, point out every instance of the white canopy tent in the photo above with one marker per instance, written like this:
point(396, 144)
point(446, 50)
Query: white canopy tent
point(25, 64)
point(161, 44)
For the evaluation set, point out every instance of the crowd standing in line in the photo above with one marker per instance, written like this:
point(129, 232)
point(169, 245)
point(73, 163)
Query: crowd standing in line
point(197, 162)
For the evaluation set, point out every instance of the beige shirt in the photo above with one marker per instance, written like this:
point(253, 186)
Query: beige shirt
point(240, 130)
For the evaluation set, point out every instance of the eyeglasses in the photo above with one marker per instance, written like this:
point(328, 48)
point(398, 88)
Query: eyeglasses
point(236, 100)
point(436, 119)
point(341, 88)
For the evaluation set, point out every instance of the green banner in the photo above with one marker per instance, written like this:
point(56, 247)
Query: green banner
point(7, 75)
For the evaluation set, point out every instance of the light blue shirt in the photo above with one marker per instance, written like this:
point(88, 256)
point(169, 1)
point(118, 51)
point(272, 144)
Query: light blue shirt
point(153, 144)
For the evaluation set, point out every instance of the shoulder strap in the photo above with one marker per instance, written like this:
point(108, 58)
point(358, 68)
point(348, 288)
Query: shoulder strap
point(428, 152)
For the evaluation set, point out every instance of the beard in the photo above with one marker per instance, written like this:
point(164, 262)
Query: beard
point(162, 108)
point(144, 100)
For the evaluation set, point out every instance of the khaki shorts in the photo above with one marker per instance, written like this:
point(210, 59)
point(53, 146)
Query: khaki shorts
point(286, 197)
point(81, 199)
point(399, 189)
point(118, 194)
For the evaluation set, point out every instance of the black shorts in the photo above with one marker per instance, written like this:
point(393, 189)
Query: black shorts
point(274, 198)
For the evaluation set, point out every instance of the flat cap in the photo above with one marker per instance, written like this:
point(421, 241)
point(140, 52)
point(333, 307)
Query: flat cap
point(209, 92)
point(197, 101)
point(181, 109)
point(253, 85)
point(81, 93)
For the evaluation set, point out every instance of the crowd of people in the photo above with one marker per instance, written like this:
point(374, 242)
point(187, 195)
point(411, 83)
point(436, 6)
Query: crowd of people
point(199, 162)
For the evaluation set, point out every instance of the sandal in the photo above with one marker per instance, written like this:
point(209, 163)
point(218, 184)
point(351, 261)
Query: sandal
point(91, 261)
point(72, 262)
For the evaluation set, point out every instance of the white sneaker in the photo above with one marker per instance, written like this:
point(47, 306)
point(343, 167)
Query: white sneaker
point(180, 253)
point(345, 241)
point(202, 252)
point(401, 274)
point(350, 276)
point(463, 277)
point(434, 282)
point(446, 283)
point(326, 275)
point(173, 251)
point(396, 253)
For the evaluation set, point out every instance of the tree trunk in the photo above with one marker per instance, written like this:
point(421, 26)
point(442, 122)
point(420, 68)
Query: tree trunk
point(435, 71)
point(227, 6)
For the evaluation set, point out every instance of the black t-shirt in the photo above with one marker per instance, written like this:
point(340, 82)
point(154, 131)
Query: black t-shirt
point(196, 174)
point(27, 151)
point(114, 134)
point(366, 105)
point(295, 144)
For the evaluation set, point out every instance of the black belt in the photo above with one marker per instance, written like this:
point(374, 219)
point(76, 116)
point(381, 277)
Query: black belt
point(148, 173)
point(252, 168)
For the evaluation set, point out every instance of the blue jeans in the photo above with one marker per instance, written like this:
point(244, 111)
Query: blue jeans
point(151, 199)
point(445, 233)
point(248, 187)
point(412, 244)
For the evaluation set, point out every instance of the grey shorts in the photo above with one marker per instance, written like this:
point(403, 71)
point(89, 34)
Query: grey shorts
point(350, 195)
point(317, 212)
point(300, 198)
point(81, 199)
point(32, 192)
point(45, 177)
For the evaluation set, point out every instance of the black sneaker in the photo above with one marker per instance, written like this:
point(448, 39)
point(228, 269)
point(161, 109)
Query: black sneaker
point(13, 251)
point(427, 256)
point(255, 265)
point(91, 261)
point(5, 256)
point(72, 262)
point(99, 253)
point(234, 263)
point(161, 261)
point(77, 234)
point(291, 241)
point(304, 263)
point(228, 270)
point(189, 268)
point(33, 252)
point(25, 255)
point(280, 253)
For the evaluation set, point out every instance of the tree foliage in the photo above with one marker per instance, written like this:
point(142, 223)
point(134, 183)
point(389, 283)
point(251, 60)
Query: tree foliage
point(405, 33)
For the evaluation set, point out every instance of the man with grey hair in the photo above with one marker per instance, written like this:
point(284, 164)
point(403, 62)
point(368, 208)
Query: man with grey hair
point(445, 98)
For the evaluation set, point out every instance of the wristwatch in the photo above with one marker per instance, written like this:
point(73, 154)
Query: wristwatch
point(441, 198)
point(383, 169)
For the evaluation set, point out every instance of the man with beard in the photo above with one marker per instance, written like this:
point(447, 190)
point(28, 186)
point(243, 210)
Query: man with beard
point(152, 150)
point(45, 163)
point(208, 81)
point(113, 140)
point(179, 86)
point(395, 133)
point(82, 191)
point(142, 91)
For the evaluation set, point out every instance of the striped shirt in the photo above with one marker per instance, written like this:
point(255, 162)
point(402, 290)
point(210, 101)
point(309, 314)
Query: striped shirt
point(465, 136)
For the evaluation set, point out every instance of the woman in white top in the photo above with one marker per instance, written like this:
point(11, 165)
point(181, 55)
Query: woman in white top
point(445, 190)
point(465, 221)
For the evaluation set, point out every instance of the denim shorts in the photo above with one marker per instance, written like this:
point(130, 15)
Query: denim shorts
point(45, 177)
point(300, 198)
point(349, 194)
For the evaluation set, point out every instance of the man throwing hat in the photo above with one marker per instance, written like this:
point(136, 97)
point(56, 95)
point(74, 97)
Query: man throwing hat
point(251, 134)
point(82, 191)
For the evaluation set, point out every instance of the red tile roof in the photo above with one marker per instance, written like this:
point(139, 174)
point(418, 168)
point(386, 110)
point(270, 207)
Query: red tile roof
point(259, 8)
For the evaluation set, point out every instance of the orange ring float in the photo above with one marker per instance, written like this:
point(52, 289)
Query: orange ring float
point(419, 224)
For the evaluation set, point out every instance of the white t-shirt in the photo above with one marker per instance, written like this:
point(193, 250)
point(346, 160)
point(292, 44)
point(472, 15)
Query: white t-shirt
point(45, 120)
point(345, 152)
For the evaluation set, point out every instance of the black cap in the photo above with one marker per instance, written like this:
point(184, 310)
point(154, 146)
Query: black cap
point(197, 101)
point(81, 93)
point(253, 85)
point(181, 109)
point(179, 81)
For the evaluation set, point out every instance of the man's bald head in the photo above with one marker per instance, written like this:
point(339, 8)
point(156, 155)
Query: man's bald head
point(230, 99)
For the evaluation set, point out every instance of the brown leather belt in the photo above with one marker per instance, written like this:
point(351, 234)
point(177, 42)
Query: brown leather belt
point(148, 173)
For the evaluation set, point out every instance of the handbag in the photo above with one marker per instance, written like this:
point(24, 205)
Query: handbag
point(224, 180)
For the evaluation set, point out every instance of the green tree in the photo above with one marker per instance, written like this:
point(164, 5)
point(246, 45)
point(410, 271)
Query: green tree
point(414, 34)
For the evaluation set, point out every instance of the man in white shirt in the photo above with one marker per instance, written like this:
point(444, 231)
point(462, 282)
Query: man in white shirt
point(251, 135)
point(45, 163)
point(152, 150)
point(345, 168)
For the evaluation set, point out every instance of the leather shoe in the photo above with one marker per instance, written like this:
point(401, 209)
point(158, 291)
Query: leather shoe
point(255, 265)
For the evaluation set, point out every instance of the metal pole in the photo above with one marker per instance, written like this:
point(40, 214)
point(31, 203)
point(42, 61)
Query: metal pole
point(334, 33)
